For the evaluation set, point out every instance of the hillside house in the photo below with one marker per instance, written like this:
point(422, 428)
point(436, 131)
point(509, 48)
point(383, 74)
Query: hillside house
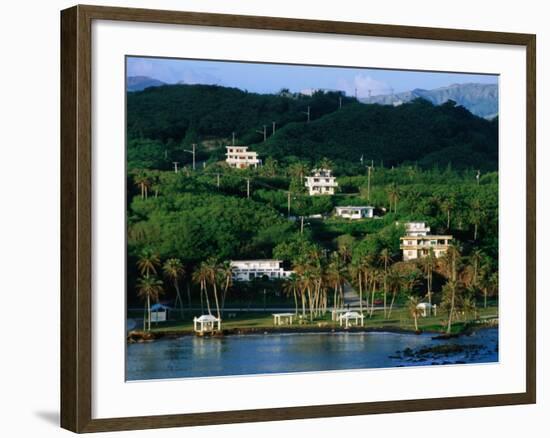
point(321, 182)
point(246, 270)
point(240, 157)
point(351, 212)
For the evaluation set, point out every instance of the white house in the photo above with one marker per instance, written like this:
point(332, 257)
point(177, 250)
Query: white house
point(416, 229)
point(415, 247)
point(321, 182)
point(350, 212)
point(240, 157)
point(246, 270)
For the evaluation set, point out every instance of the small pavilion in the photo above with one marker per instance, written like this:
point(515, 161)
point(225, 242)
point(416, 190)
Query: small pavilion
point(427, 309)
point(206, 324)
point(280, 318)
point(351, 316)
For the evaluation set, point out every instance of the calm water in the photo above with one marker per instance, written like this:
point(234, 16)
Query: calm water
point(191, 356)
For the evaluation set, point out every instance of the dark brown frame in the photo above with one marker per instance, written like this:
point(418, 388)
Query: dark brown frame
point(76, 174)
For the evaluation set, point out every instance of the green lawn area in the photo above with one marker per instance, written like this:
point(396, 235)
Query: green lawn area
point(399, 319)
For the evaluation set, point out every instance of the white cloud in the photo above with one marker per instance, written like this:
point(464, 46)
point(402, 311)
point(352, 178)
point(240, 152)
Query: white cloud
point(363, 84)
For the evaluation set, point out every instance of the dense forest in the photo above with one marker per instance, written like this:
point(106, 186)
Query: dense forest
point(164, 121)
point(414, 162)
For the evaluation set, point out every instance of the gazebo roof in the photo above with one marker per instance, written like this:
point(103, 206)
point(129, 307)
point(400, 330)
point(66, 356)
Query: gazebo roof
point(206, 318)
point(351, 315)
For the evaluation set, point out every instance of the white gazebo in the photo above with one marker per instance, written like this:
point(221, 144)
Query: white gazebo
point(336, 313)
point(280, 318)
point(427, 309)
point(349, 316)
point(206, 323)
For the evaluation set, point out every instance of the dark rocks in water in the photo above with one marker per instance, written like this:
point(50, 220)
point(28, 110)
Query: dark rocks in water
point(408, 352)
point(437, 352)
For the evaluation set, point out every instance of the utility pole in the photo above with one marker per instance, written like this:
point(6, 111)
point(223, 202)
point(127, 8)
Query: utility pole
point(176, 166)
point(264, 132)
point(368, 182)
point(248, 187)
point(192, 152)
point(218, 180)
point(308, 112)
point(301, 225)
point(273, 128)
point(478, 175)
point(288, 204)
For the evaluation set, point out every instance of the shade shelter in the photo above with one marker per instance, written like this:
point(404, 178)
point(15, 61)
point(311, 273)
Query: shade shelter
point(336, 313)
point(351, 316)
point(280, 318)
point(159, 312)
point(427, 309)
point(206, 324)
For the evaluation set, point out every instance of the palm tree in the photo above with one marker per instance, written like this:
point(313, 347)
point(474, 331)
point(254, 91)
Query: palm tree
point(395, 284)
point(335, 276)
point(298, 170)
point(226, 275)
point(148, 262)
point(475, 259)
point(414, 311)
point(173, 269)
point(212, 272)
point(449, 205)
point(476, 217)
point(325, 163)
point(393, 196)
point(142, 180)
point(201, 276)
point(290, 287)
point(428, 264)
point(149, 288)
point(452, 258)
point(385, 258)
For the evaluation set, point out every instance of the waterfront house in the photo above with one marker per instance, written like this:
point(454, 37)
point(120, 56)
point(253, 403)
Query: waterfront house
point(321, 182)
point(240, 157)
point(350, 212)
point(246, 270)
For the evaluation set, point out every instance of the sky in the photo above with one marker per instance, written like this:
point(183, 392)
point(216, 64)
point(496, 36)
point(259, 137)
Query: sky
point(271, 78)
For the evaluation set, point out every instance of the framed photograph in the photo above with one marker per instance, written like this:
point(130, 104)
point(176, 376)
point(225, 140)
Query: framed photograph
point(269, 218)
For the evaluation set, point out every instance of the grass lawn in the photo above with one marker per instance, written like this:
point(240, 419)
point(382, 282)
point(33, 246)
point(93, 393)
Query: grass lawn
point(399, 319)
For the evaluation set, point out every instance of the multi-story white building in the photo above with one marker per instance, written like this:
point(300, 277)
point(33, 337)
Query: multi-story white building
point(246, 270)
point(240, 157)
point(416, 229)
point(321, 182)
point(350, 212)
point(415, 247)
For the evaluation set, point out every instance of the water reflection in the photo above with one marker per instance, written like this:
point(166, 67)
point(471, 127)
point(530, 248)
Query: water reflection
point(192, 356)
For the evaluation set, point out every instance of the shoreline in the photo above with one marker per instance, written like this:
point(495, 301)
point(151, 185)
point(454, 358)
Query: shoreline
point(138, 336)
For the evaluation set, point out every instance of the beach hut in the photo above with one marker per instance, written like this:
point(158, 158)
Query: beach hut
point(206, 324)
point(159, 312)
point(351, 316)
point(427, 309)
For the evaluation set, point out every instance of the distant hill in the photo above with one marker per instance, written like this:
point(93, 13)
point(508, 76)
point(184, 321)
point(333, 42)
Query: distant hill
point(139, 83)
point(480, 99)
point(161, 118)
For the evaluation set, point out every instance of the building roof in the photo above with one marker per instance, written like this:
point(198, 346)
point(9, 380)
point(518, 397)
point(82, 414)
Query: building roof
point(255, 260)
point(206, 318)
point(428, 236)
point(354, 206)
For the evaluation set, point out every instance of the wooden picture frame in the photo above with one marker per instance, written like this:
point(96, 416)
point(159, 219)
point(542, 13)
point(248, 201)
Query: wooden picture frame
point(76, 217)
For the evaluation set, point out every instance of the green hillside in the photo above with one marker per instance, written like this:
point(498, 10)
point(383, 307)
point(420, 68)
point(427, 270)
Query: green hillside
point(162, 121)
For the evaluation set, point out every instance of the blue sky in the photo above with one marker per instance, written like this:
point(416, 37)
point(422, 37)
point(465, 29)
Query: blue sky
point(270, 78)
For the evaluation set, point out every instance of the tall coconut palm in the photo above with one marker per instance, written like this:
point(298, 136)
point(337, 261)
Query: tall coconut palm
point(290, 287)
point(298, 170)
point(448, 205)
point(143, 181)
point(385, 258)
point(148, 262)
point(475, 259)
point(428, 264)
point(414, 311)
point(325, 163)
point(452, 260)
point(225, 272)
point(173, 269)
point(149, 288)
point(395, 284)
point(212, 270)
point(393, 196)
point(201, 277)
point(335, 277)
